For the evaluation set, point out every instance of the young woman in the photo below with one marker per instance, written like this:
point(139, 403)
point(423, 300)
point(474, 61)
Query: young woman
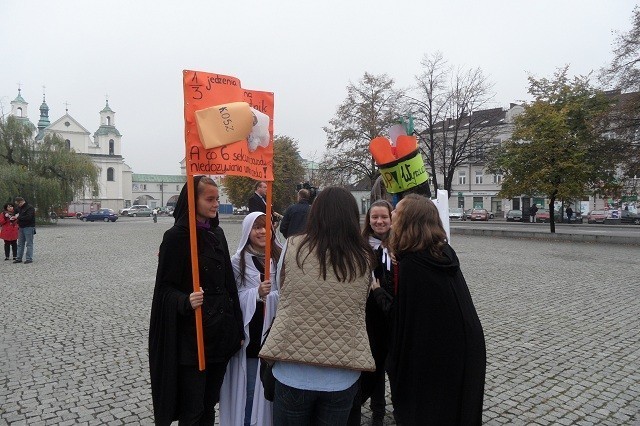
point(179, 390)
point(318, 340)
point(377, 226)
point(9, 231)
point(242, 396)
point(437, 357)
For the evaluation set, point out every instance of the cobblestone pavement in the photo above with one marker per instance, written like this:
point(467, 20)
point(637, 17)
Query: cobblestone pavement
point(561, 323)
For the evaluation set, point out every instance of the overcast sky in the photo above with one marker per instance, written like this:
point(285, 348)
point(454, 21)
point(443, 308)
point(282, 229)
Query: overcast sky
point(305, 52)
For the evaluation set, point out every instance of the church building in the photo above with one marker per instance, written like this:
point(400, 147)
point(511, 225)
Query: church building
point(104, 148)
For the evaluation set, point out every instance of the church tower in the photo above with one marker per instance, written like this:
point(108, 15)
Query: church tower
point(44, 122)
point(19, 110)
point(107, 136)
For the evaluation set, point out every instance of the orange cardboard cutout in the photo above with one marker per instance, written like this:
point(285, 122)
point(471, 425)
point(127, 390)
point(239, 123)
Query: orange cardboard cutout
point(252, 156)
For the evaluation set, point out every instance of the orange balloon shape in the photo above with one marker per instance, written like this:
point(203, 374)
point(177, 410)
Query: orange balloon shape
point(380, 149)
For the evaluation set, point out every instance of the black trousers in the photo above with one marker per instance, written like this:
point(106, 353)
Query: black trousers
point(10, 245)
point(199, 392)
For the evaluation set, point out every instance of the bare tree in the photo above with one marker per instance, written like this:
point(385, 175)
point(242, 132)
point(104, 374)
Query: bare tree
point(624, 75)
point(450, 118)
point(370, 108)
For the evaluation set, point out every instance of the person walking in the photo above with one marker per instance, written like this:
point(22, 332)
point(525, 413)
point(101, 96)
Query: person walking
point(26, 218)
point(242, 398)
point(179, 390)
point(9, 231)
point(569, 212)
point(295, 217)
point(532, 213)
point(437, 356)
point(318, 340)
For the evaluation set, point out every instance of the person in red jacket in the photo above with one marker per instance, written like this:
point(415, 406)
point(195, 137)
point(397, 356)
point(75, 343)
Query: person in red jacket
point(9, 230)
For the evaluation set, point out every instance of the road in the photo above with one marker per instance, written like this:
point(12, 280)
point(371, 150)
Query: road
point(561, 323)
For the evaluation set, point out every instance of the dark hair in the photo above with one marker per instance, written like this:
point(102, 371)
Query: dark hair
point(333, 231)
point(257, 185)
point(275, 248)
point(7, 205)
point(418, 227)
point(181, 211)
point(18, 199)
point(367, 231)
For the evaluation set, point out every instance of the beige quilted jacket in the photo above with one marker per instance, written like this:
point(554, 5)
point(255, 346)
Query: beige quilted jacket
point(319, 322)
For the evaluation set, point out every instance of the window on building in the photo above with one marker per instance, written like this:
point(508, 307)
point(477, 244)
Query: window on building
point(19, 110)
point(177, 187)
point(143, 187)
point(478, 203)
point(112, 145)
point(110, 174)
point(497, 179)
point(478, 176)
point(462, 177)
point(67, 143)
point(108, 121)
point(479, 154)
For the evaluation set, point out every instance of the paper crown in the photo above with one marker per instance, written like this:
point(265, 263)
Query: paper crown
point(401, 166)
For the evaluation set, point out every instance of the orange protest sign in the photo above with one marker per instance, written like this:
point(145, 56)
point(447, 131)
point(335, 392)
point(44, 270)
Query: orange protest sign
point(215, 117)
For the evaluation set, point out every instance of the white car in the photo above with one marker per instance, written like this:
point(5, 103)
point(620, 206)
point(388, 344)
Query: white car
point(456, 213)
point(126, 210)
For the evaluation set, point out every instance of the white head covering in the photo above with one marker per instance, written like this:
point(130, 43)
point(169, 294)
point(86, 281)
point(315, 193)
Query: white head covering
point(247, 225)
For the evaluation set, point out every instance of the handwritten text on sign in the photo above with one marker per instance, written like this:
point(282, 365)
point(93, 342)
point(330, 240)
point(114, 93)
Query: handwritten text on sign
point(204, 90)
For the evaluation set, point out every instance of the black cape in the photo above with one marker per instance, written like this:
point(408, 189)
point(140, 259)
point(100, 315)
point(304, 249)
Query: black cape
point(172, 323)
point(437, 359)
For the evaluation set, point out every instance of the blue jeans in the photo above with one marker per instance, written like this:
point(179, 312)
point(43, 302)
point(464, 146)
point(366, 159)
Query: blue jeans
point(297, 407)
point(252, 372)
point(25, 237)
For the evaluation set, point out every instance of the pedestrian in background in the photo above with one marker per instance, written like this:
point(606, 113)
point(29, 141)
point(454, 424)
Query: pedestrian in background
point(26, 218)
point(318, 340)
point(9, 231)
point(437, 356)
point(569, 212)
point(242, 398)
point(532, 213)
point(295, 217)
point(179, 390)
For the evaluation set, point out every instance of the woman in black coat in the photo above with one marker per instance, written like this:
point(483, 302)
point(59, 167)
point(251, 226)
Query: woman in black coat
point(437, 357)
point(179, 390)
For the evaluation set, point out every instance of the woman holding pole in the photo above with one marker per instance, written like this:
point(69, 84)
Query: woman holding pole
point(180, 390)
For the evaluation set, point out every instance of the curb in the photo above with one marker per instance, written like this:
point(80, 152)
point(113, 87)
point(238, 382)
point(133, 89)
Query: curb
point(534, 235)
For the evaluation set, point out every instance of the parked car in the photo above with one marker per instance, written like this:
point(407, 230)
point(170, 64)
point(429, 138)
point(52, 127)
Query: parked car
point(467, 214)
point(456, 213)
point(104, 215)
point(140, 212)
point(241, 210)
point(596, 216)
point(491, 214)
point(127, 210)
point(514, 216)
point(576, 217)
point(543, 216)
point(479, 214)
point(629, 217)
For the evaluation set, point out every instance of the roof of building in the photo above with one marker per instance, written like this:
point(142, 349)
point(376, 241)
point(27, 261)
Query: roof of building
point(107, 108)
point(105, 130)
point(19, 99)
point(137, 177)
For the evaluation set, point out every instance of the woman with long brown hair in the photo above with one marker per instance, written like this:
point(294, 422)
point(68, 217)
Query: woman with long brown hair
point(437, 357)
point(318, 340)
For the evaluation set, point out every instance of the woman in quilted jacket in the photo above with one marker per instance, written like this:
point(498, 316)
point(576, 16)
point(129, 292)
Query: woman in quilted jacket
point(318, 340)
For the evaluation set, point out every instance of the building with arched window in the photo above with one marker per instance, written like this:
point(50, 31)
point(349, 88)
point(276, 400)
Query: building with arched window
point(104, 148)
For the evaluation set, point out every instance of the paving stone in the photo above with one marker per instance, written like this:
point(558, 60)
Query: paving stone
point(560, 321)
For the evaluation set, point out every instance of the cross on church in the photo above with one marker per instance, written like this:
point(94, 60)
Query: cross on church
point(66, 106)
